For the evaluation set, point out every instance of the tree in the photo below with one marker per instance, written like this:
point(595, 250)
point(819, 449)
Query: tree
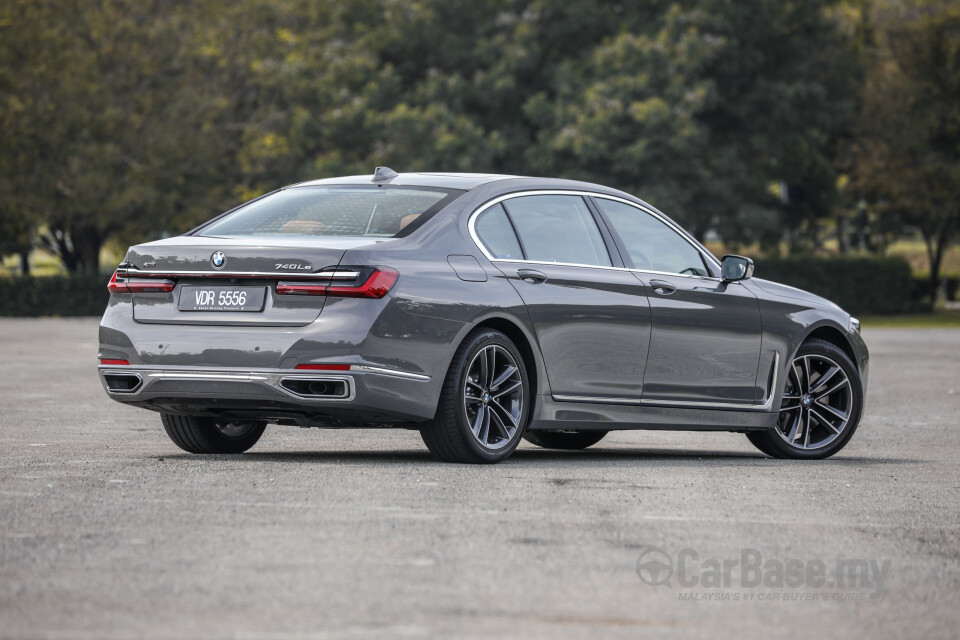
point(112, 126)
point(707, 111)
point(908, 151)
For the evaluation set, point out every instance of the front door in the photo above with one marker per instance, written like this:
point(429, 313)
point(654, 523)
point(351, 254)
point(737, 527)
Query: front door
point(705, 339)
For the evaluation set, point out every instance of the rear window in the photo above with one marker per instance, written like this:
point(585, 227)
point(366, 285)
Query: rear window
point(384, 211)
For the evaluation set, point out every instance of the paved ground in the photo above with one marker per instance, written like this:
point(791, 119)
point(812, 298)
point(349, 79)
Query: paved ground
point(108, 531)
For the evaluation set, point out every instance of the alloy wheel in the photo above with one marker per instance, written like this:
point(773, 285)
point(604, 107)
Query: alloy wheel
point(493, 397)
point(817, 403)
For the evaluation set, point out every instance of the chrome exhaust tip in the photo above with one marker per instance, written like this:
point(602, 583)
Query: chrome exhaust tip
point(122, 382)
point(329, 388)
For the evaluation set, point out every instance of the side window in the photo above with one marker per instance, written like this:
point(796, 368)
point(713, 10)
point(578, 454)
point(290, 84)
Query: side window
point(558, 229)
point(652, 244)
point(497, 234)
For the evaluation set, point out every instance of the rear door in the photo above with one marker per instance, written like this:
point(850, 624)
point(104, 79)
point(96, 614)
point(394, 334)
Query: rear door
point(705, 341)
point(591, 316)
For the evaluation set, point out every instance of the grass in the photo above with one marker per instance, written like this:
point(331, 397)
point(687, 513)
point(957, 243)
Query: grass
point(935, 320)
point(44, 263)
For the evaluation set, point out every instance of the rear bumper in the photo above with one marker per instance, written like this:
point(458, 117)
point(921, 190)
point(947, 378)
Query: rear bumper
point(362, 395)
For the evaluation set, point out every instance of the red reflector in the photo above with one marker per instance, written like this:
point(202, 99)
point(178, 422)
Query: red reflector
point(377, 285)
point(110, 361)
point(324, 367)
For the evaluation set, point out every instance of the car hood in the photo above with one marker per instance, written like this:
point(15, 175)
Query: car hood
point(792, 293)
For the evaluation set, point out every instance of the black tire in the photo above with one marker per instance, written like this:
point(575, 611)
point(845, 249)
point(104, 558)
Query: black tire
point(449, 436)
point(772, 443)
point(206, 435)
point(570, 440)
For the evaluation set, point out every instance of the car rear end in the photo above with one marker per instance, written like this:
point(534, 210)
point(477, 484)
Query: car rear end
point(267, 318)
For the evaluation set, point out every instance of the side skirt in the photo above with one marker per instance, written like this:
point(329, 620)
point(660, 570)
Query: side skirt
point(551, 415)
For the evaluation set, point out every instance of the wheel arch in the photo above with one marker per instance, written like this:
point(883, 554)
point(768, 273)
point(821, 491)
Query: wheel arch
point(835, 336)
point(526, 347)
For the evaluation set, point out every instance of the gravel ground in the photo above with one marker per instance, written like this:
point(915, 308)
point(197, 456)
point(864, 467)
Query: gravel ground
point(108, 531)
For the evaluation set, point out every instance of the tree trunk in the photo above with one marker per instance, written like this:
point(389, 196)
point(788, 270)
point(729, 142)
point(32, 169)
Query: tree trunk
point(936, 246)
point(87, 242)
point(843, 235)
point(24, 263)
point(78, 248)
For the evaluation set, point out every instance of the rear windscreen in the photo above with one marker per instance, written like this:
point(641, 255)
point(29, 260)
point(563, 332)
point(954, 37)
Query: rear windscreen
point(382, 211)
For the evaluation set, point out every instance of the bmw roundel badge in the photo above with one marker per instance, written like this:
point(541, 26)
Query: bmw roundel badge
point(218, 259)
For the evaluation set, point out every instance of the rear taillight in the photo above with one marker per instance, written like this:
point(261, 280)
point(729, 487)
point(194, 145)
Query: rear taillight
point(112, 361)
point(377, 285)
point(119, 283)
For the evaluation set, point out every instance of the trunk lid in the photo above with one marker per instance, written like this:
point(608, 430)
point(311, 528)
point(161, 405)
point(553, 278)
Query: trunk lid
point(250, 264)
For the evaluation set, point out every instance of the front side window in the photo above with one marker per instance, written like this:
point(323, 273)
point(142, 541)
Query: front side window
point(651, 243)
point(385, 212)
point(557, 229)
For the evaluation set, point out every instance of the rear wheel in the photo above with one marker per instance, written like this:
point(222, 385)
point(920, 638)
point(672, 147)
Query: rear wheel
point(564, 439)
point(207, 435)
point(484, 404)
point(821, 406)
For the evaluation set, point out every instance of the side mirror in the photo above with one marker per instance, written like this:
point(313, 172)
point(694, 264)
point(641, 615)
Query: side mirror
point(736, 268)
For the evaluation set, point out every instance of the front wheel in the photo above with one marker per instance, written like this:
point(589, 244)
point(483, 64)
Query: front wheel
point(484, 404)
point(206, 435)
point(821, 406)
point(570, 440)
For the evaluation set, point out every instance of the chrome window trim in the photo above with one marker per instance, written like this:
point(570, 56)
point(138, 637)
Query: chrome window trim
point(471, 227)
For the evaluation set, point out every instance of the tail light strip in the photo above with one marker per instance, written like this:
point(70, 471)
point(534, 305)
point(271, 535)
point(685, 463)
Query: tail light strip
point(121, 284)
point(377, 285)
point(380, 281)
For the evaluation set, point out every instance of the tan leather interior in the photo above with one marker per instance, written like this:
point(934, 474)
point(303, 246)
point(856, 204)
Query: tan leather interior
point(303, 227)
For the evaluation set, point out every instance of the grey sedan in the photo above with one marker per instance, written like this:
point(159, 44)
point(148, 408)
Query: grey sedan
point(478, 309)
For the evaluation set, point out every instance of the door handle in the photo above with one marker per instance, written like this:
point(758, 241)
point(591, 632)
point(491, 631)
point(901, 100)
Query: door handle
point(532, 276)
point(662, 287)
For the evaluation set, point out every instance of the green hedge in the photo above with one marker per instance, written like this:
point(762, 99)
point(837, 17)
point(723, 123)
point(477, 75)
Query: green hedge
point(859, 285)
point(923, 290)
point(53, 295)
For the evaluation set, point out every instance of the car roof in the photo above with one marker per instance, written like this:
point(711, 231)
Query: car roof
point(463, 181)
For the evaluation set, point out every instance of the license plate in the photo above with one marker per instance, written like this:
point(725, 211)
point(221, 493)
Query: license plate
point(194, 298)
